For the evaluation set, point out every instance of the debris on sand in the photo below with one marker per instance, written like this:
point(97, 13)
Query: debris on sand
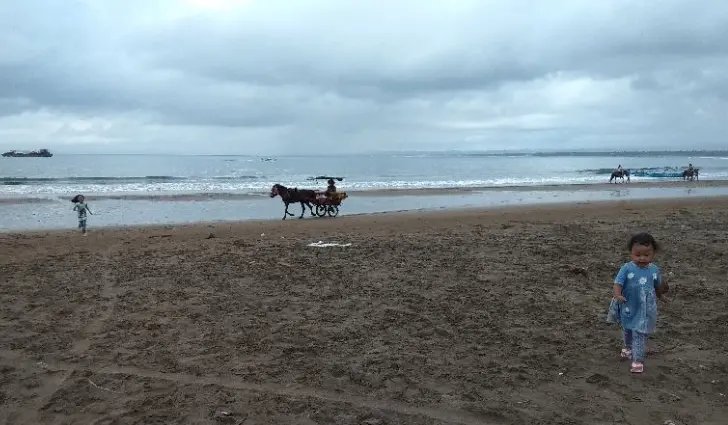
point(322, 244)
point(576, 270)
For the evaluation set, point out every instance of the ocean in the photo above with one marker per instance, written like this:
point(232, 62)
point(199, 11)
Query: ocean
point(66, 175)
point(127, 189)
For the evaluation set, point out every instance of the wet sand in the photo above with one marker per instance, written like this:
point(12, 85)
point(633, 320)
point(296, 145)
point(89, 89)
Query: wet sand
point(546, 188)
point(465, 317)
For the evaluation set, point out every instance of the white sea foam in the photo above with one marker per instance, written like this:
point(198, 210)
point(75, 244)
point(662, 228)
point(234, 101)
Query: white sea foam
point(202, 174)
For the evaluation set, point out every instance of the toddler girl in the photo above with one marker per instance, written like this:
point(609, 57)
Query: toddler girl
point(634, 305)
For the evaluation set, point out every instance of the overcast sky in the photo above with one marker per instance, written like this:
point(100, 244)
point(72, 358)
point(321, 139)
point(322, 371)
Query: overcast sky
point(276, 76)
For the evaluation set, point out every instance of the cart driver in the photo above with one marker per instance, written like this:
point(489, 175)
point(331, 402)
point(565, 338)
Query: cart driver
point(331, 189)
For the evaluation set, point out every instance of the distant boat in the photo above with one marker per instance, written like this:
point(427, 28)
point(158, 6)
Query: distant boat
point(326, 178)
point(42, 153)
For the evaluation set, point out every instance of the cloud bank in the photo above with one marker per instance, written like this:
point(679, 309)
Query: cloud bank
point(327, 76)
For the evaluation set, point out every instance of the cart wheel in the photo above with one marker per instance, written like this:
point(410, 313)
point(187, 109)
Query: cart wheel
point(320, 210)
point(332, 211)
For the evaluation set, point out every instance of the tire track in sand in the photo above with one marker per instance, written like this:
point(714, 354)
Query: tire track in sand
point(107, 292)
point(446, 415)
point(55, 382)
point(110, 294)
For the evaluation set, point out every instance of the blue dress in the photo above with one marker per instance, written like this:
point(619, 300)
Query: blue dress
point(639, 313)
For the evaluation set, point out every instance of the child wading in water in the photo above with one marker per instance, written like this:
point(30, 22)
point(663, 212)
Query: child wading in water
point(82, 209)
point(634, 306)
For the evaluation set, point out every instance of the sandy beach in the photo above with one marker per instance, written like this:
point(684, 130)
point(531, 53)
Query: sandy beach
point(460, 317)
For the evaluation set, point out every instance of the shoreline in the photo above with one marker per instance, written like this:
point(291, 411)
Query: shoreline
point(498, 212)
point(393, 192)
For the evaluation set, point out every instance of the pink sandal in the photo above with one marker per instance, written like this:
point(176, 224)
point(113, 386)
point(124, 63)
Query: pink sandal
point(625, 354)
point(637, 367)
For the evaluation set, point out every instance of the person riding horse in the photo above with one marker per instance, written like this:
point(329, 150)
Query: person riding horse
point(690, 173)
point(620, 173)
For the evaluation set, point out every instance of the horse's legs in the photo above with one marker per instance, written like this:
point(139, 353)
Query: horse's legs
point(305, 204)
point(286, 213)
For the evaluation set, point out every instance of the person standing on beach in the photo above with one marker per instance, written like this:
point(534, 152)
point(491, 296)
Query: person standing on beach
point(634, 306)
point(82, 208)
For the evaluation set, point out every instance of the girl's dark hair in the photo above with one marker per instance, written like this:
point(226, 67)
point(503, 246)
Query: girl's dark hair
point(75, 199)
point(644, 239)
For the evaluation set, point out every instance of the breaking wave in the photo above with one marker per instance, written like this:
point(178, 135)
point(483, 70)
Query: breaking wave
point(104, 180)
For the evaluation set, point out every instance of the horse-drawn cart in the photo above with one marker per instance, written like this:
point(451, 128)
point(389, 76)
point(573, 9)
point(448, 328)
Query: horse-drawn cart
point(325, 203)
point(328, 204)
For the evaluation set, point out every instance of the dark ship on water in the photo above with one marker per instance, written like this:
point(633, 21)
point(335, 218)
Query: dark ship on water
point(42, 153)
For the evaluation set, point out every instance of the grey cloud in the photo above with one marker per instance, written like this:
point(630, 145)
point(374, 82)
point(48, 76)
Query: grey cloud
point(320, 72)
point(625, 40)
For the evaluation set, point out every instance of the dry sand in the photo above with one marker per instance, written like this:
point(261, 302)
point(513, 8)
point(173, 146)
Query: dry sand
point(432, 318)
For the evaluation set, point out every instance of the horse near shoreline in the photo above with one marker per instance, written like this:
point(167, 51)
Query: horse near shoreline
point(691, 174)
point(620, 174)
point(294, 195)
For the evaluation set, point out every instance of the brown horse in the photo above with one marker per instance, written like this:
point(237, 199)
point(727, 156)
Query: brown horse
point(291, 196)
point(689, 174)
